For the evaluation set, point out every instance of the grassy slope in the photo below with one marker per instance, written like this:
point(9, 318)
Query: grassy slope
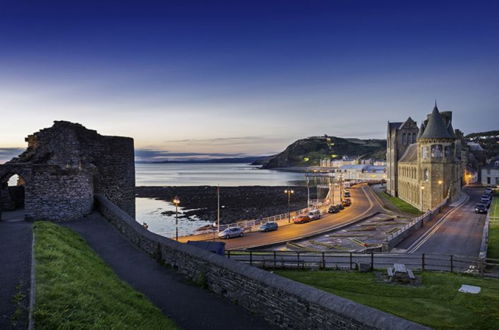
point(402, 206)
point(493, 248)
point(77, 290)
point(437, 303)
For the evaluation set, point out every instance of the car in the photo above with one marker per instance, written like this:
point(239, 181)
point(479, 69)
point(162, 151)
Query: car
point(488, 191)
point(333, 209)
point(346, 202)
point(302, 219)
point(480, 208)
point(269, 226)
point(485, 199)
point(347, 193)
point(231, 232)
point(314, 214)
point(340, 206)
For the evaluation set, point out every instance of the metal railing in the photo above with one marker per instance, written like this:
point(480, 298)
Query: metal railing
point(369, 261)
point(281, 219)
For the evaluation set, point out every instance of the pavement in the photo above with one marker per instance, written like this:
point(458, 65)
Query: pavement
point(190, 306)
point(15, 271)
point(458, 230)
point(364, 203)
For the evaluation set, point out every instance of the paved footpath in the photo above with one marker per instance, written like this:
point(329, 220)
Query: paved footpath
point(15, 272)
point(190, 306)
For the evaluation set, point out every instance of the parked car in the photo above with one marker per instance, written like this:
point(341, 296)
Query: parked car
point(346, 202)
point(333, 209)
point(480, 208)
point(231, 232)
point(340, 206)
point(302, 219)
point(314, 214)
point(488, 191)
point(347, 193)
point(269, 226)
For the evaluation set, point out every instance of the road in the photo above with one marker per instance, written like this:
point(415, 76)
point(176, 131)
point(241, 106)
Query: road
point(457, 232)
point(364, 203)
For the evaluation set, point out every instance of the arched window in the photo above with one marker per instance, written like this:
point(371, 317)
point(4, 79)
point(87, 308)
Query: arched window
point(12, 192)
point(425, 152)
point(436, 151)
point(426, 175)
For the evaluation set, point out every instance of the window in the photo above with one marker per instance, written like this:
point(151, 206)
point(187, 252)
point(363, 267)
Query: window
point(426, 175)
point(448, 151)
point(425, 152)
point(436, 151)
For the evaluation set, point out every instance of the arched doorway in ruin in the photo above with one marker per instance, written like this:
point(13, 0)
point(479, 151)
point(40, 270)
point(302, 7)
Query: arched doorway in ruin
point(12, 197)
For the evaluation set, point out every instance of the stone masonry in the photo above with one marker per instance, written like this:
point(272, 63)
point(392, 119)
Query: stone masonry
point(64, 166)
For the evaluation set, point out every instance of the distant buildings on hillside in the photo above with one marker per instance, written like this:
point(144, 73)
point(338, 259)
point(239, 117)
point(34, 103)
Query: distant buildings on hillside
point(354, 168)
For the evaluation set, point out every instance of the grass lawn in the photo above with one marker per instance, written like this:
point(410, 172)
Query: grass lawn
point(436, 303)
point(493, 248)
point(402, 206)
point(77, 290)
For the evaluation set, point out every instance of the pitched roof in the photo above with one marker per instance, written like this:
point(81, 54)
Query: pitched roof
point(410, 154)
point(394, 125)
point(436, 127)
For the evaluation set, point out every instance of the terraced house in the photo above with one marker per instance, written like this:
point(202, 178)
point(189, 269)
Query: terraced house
point(425, 165)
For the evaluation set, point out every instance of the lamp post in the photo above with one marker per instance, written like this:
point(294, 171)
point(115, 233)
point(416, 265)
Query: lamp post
point(422, 188)
point(176, 201)
point(289, 192)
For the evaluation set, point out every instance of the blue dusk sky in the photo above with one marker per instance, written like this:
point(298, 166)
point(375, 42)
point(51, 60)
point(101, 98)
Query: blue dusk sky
point(221, 78)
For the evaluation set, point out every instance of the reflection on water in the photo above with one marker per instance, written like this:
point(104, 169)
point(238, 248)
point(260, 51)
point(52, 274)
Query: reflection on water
point(212, 174)
point(149, 211)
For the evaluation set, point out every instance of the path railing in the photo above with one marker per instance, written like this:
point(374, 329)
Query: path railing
point(369, 261)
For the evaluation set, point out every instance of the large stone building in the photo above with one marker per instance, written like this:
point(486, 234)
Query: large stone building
point(425, 165)
point(63, 167)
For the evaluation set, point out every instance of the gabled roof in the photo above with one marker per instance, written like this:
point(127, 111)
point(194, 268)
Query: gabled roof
point(409, 123)
point(410, 154)
point(436, 127)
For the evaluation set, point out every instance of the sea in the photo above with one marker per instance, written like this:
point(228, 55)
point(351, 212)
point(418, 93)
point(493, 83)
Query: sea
point(150, 211)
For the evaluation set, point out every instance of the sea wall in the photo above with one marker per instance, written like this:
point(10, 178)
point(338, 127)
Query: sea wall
point(280, 301)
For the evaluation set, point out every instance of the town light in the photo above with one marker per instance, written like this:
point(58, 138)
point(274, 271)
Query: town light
point(440, 182)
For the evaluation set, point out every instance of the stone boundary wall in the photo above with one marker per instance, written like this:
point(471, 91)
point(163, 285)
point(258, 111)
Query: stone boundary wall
point(397, 237)
point(280, 301)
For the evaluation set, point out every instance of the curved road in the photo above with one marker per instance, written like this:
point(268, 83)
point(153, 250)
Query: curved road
point(457, 232)
point(364, 203)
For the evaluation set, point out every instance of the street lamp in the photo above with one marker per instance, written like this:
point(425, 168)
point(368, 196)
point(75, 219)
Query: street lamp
point(422, 188)
point(176, 201)
point(289, 192)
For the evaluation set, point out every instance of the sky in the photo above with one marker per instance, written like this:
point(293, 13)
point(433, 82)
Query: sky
point(235, 78)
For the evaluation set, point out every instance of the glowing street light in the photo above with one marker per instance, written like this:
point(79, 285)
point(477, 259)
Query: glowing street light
point(176, 201)
point(289, 192)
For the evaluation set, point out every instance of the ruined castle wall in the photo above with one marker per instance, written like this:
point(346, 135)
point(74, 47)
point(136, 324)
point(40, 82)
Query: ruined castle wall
point(58, 194)
point(116, 172)
point(106, 161)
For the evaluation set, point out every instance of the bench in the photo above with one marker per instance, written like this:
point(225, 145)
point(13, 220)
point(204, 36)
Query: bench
point(411, 274)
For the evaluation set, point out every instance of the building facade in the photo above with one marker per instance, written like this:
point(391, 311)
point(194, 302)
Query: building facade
point(425, 165)
point(490, 173)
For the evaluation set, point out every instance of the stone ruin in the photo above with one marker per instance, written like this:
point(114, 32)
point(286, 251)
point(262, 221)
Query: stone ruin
point(63, 168)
